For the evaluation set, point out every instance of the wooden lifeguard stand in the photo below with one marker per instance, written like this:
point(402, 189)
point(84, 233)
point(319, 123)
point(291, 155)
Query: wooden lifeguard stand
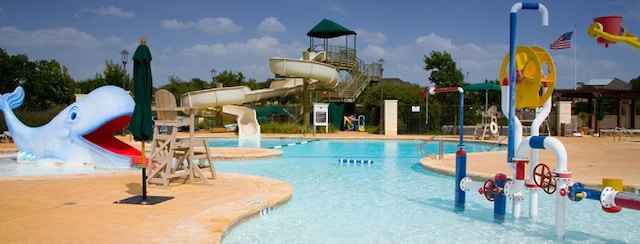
point(173, 157)
point(489, 125)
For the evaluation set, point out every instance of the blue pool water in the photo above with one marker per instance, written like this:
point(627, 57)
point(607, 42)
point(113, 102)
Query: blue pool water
point(395, 200)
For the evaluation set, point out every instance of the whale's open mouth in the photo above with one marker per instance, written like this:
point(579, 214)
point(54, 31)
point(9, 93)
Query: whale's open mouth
point(103, 137)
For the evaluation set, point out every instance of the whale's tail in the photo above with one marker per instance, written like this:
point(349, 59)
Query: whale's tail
point(9, 101)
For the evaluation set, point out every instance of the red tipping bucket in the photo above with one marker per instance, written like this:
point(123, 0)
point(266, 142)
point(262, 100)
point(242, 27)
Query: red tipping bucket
point(611, 25)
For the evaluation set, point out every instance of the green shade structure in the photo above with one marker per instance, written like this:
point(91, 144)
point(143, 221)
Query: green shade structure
point(486, 87)
point(329, 29)
point(482, 87)
point(141, 124)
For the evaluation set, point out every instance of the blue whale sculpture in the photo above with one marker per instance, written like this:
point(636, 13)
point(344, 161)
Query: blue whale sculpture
point(80, 135)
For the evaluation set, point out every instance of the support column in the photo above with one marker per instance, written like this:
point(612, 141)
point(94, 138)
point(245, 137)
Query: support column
point(390, 117)
point(306, 106)
point(564, 117)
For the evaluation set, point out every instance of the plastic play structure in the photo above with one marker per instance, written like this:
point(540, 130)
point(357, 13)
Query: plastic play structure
point(316, 70)
point(609, 30)
point(353, 123)
point(461, 155)
point(229, 98)
point(81, 135)
point(528, 83)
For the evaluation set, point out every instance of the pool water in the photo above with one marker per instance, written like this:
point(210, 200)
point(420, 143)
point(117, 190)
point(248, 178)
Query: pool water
point(394, 200)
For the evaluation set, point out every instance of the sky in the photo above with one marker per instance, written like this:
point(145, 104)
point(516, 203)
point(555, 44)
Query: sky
point(190, 38)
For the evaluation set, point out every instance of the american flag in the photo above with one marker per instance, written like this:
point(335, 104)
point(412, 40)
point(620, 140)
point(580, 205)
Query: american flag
point(564, 41)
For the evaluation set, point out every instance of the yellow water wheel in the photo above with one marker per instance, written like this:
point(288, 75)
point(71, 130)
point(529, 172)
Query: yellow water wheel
point(538, 76)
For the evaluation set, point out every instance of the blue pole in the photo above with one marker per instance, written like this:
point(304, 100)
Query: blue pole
point(512, 66)
point(461, 161)
point(461, 172)
point(512, 86)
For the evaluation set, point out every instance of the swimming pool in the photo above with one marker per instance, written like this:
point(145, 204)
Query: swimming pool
point(394, 200)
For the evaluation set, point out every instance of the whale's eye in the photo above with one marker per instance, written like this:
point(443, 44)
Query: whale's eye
point(73, 114)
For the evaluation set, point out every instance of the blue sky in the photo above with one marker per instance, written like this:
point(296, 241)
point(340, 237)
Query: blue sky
point(189, 38)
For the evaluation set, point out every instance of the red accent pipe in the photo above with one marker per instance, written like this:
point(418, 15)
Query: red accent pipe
point(519, 171)
point(564, 175)
point(445, 89)
point(627, 200)
point(520, 168)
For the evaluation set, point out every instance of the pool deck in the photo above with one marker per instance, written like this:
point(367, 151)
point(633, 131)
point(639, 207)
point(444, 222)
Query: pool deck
point(80, 208)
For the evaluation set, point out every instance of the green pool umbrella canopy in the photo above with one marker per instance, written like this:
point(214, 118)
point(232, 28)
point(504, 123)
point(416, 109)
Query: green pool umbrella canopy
point(141, 125)
point(486, 87)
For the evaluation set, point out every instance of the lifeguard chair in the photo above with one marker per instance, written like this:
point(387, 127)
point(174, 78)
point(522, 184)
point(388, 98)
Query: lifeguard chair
point(489, 125)
point(173, 157)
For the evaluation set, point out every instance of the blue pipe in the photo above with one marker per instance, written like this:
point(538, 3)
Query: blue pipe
point(461, 160)
point(512, 66)
point(579, 188)
point(500, 204)
point(512, 85)
point(461, 172)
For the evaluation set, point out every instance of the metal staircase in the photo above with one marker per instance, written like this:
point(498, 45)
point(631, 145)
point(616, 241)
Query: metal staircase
point(358, 78)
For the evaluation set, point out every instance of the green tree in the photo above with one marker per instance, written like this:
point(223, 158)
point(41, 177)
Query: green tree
point(114, 74)
point(88, 85)
point(13, 70)
point(635, 84)
point(177, 86)
point(444, 72)
point(48, 86)
point(228, 78)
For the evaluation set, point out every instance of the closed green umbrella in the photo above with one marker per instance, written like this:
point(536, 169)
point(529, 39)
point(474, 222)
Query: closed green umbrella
point(141, 124)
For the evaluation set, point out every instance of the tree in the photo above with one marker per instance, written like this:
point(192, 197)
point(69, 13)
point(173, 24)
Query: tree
point(13, 70)
point(635, 84)
point(444, 72)
point(49, 85)
point(114, 74)
point(228, 78)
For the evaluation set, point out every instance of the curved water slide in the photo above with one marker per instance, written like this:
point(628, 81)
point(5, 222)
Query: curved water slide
point(320, 75)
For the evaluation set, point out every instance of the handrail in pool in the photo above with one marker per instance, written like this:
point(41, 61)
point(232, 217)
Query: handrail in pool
point(430, 154)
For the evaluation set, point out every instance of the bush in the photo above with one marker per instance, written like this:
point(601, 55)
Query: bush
point(33, 118)
point(287, 128)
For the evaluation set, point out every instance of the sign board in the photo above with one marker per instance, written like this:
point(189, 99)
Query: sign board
point(321, 116)
point(415, 109)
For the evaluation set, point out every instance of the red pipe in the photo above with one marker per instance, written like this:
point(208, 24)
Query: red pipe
point(627, 200)
point(445, 89)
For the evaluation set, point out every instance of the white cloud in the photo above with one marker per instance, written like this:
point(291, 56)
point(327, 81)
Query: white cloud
point(371, 37)
point(62, 37)
point(173, 24)
point(271, 25)
point(110, 11)
point(218, 26)
point(112, 40)
point(435, 42)
point(253, 46)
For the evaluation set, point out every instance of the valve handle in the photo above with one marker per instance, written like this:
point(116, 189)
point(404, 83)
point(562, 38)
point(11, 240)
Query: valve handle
point(543, 177)
point(491, 190)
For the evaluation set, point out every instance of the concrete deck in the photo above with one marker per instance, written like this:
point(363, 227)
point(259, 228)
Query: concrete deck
point(80, 208)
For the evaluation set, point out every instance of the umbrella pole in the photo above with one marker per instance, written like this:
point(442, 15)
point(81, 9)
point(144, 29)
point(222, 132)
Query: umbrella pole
point(144, 174)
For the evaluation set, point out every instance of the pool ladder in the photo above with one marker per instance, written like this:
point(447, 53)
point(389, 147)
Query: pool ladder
point(430, 154)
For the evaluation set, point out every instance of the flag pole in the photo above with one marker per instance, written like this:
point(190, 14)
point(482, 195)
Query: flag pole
point(575, 60)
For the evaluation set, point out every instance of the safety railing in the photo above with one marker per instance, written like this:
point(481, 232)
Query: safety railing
point(431, 154)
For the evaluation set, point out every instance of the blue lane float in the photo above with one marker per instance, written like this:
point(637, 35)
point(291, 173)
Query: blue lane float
point(355, 161)
point(292, 144)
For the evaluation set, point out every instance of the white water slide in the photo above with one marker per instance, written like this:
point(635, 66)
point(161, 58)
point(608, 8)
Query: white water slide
point(229, 98)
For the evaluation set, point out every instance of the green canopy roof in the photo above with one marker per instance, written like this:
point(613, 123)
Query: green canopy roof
point(329, 29)
point(482, 87)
